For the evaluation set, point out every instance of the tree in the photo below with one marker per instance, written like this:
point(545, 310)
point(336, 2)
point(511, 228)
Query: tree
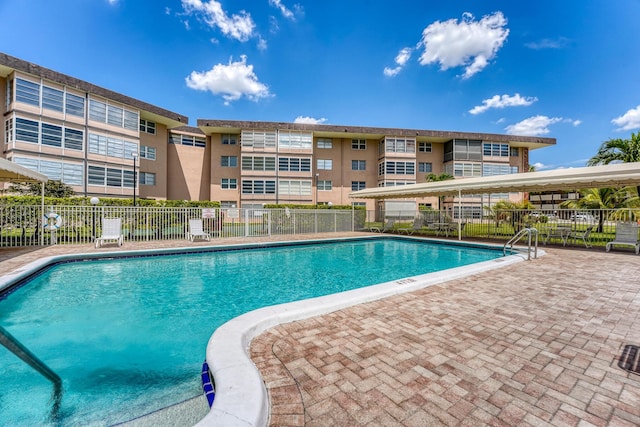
point(51, 189)
point(432, 177)
point(603, 198)
point(618, 150)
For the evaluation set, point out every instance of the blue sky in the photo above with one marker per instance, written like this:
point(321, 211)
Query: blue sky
point(561, 69)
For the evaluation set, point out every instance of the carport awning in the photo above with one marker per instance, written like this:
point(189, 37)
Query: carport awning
point(11, 172)
point(612, 175)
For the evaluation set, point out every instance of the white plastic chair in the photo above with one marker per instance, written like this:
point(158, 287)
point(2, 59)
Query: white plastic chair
point(111, 232)
point(196, 230)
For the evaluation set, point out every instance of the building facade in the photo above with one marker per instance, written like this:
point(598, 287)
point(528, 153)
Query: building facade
point(107, 144)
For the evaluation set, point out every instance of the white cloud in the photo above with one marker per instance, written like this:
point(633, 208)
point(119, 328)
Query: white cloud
point(629, 120)
point(467, 43)
point(262, 44)
point(309, 120)
point(237, 26)
point(283, 9)
point(232, 81)
point(113, 2)
point(401, 60)
point(502, 101)
point(558, 43)
point(533, 126)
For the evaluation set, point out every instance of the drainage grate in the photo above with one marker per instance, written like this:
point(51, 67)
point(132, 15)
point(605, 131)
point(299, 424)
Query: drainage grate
point(630, 359)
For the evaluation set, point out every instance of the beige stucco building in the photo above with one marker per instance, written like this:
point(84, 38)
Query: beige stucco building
point(91, 138)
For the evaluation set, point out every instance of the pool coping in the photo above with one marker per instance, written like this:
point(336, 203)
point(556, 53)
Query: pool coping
point(241, 397)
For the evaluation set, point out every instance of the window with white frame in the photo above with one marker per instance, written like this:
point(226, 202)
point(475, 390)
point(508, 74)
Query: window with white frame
point(396, 168)
point(9, 92)
point(358, 165)
point(27, 130)
point(258, 139)
point(258, 186)
point(325, 185)
point(27, 92)
point(147, 178)
point(229, 183)
point(47, 134)
point(229, 161)
point(294, 187)
point(112, 146)
point(324, 164)
point(489, 169)
point(358, 144)
point(66, 172)
point(258, 163)
point(514, 151)
point(399, 145)
point(467, 169)
point(193, 141)
point(293, 139)
point(358, 185)
point(147, 126)
point(114, 115)
point(147, 152)
point(495, 150)
point(109, 177)
point(424, 147)
point(229, 139)
point(52, 99)
point(294, 164)
point(425, 167)
point(8, 131)
point(74, 105)
point(324, 143)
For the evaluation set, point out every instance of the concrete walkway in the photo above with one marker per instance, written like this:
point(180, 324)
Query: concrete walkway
point(532, 344)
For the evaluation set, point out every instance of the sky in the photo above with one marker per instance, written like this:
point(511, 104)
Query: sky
point(561, 69)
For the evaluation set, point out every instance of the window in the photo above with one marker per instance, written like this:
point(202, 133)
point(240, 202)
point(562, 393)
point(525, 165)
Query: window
point(179, 139)
point(424, 147)
point(467, 169)
point(53, 99)
point(97, 144)
point(495, 150)
point(115, 115)
point(27, 92)
point(27, 130)
point(294, 188)
point(229, 161)
point(358, 165)
point(396, 168)
point(400, 145)
point(147, 178)
point(73, 139)
point(97, 111)
point(148, 153)
point(96, 175)
point(51, 135)
point(292, 139)
point(324, 143)
point(229, 183)
point(489, 169)
point(425, 167)
point(74, 105)
point(228, 139)
point(68, 173)
point(258, 187)
point(147, 127)
point(358, 144)
point(361, 204)
point(324, 185)
point(358, 185)
point(257, 163)
point(9, 87)
point(294, 164)
point(8, 131)
point(325, 164)
point(113, 147)
point(514, 152)
point(114, 177)
point(257, 139)
point(463, 149)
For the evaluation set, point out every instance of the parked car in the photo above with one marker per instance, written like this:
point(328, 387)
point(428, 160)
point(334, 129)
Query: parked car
point(583, 217)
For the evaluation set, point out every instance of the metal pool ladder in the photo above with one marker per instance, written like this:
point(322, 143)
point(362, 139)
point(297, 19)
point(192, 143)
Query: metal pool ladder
point(531, 233)
point(22, 352)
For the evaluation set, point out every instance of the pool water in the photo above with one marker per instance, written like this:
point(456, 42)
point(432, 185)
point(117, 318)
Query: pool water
point(128, 336)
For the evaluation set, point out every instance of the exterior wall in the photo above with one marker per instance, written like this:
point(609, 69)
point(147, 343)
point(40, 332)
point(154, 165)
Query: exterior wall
point(158, 167)
point(218, 173)
point(188, 169)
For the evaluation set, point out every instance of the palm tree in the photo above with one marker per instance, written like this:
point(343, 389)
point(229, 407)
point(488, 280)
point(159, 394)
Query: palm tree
point(603, 198)
point(432, 177)
point(618, 150)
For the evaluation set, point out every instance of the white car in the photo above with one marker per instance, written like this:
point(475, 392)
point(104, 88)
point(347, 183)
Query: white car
point(583, 217)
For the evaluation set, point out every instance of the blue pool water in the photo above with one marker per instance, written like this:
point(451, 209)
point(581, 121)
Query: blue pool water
point(128, 336)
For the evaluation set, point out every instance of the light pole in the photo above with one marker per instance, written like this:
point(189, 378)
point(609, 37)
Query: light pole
point(317, 180)
point(135, 180)
point(94, 201)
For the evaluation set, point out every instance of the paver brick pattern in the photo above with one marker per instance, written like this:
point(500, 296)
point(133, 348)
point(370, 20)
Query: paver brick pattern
point(532, 344)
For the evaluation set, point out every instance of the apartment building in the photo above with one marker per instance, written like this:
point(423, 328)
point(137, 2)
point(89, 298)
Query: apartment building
point(104, 143)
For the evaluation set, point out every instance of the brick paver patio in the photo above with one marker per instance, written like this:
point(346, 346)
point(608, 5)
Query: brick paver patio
point(532, 344)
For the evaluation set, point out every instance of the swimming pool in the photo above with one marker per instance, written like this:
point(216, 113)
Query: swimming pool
point(127, 335)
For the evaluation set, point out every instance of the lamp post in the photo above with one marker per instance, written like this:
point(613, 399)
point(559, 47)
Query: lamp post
point(317, 181)
point(94, 201)
point(135, 181)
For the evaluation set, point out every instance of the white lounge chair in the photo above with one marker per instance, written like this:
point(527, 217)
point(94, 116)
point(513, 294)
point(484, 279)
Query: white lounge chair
point(111, 232)
point(196, 231)
point(585, 236)
point(626, 235)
